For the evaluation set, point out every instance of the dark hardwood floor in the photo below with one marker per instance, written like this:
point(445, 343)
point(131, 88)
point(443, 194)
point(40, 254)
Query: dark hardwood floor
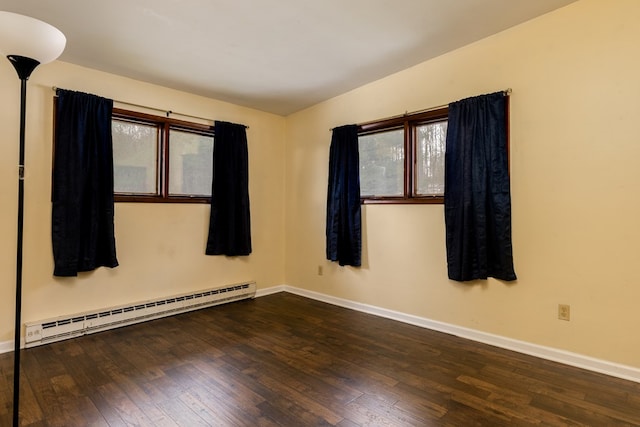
point(284, 360)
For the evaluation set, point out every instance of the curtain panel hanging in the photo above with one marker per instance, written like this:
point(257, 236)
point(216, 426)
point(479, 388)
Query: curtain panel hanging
point(230, 219)
point(477, 198)
point(82, 191)
point(344, 240)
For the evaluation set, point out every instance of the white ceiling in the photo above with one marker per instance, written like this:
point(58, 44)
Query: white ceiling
point(278, 56)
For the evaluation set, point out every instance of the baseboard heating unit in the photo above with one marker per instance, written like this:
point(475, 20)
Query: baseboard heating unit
point(65, 327)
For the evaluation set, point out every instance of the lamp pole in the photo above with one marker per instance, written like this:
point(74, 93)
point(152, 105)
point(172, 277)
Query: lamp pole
point(26, 42)
point(24, 67)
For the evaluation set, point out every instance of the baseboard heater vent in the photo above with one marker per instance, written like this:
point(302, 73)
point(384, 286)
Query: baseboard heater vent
point(65, 327)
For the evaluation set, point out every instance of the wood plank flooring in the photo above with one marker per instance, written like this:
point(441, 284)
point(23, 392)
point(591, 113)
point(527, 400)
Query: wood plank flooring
point(284, 360)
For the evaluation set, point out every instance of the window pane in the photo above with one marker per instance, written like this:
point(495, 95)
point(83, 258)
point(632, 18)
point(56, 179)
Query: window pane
point(382, 163)
point(134, 157)
point(190, 163)
point(430, 149)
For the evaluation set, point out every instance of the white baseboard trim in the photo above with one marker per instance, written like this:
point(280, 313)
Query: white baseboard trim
point(561, 356)
point(271, 291)
point(6, 346)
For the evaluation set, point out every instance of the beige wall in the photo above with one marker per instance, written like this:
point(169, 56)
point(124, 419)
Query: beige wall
point(575, 187)
point(160, 246)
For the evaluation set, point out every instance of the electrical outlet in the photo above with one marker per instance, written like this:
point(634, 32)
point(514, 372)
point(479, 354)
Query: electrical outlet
point(564, 312)
point(320, 270)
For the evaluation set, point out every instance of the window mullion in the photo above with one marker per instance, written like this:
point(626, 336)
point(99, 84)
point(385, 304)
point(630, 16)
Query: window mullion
point(163, 162)
point(408, 165)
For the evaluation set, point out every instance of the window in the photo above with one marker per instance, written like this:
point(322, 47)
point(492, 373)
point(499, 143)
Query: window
point(402, 158)
point(157, 159)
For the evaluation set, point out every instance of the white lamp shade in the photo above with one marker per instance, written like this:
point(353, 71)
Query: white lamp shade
point(25, 36)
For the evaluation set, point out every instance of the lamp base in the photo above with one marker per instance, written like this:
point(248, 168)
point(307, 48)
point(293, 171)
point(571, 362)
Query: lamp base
point(24, 66)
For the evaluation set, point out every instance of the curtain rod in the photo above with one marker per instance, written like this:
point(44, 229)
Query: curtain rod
point(167, 112)
point(505, 92)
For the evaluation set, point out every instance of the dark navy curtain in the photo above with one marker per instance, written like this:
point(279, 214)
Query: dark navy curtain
point(477, 198)
point(230, 220)
point(344, 240)
point(82, 191)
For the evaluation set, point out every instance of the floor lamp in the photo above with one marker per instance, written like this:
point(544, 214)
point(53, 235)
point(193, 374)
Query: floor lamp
point(26, 42)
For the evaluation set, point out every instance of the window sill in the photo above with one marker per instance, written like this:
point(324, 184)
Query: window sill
point(121, 198)
point(435, 200)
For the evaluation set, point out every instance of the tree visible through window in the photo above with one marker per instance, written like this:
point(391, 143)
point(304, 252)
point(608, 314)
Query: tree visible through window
point(382, 164)
point(190, 163)
point(158, 159)
point(135, 153)
point(402, 159)
point(431, 142)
